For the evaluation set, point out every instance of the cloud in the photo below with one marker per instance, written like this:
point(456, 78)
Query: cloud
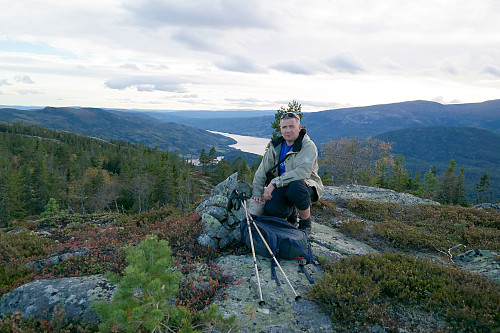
point(297, 67)
point(238, 64)
point(24, 79)
point(28, 92)
point(146, 84)
point(220, 14)
point(4, 83)
point(491, 69)
point(345, 62)
point(133, 67)
point(195, 40)
point(449, 68)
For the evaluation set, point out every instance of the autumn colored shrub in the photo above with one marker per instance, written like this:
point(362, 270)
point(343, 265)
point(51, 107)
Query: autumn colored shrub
point(15, 323)
point(324, 208)
point(201, 284)
point(361, 289)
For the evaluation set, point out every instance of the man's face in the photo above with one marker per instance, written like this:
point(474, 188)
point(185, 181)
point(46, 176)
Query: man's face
point(290, 128)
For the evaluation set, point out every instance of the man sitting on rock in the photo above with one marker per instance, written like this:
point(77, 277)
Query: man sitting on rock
point(295, 183)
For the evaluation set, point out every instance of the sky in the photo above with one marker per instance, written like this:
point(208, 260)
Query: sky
point(248, 54)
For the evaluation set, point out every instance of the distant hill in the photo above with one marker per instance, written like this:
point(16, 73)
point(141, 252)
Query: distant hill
point(368, 121)
point(134, 127)
point(477, 150)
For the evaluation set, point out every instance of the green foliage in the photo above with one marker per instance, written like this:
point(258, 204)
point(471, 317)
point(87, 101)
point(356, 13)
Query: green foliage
point(294, 107)
point(476, 149)
point(451, 189)
point(482, 189)
point(52, 209)
point(430, 186)
point(144, 291)
point(430, 227)
point(361, 289)
point(143, 301)
point(85, 174)
point(203, 159)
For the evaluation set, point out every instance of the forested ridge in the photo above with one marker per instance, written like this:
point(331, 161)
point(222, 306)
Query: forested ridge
point(85, 174)
point(134, 127)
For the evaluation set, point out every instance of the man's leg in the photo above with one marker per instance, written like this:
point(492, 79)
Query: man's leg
point(300, 195)
point(279, 205)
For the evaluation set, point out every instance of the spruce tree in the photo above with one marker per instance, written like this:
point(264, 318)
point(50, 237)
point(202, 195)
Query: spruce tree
point(144, 292)
point(482, 189)
point(203, 159)
point(212, 157)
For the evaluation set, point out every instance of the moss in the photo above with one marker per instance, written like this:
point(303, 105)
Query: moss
point(360, 289)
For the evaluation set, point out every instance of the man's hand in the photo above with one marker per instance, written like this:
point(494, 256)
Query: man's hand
point(268, 190)
point(259, 199)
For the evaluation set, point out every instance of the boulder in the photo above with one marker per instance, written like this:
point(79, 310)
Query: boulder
point(483, 262)
point(488, 205)
point(342, 194)
point(74, 295)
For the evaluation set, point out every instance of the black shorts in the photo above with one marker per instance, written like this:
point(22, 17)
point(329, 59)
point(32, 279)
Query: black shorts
point(285, 199)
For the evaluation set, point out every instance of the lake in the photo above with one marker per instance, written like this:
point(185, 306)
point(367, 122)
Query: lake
point(248, 144)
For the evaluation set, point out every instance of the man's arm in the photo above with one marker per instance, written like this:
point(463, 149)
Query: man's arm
point(259, 179)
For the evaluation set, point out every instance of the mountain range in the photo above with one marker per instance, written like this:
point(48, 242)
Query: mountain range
point(366, 121)
point(424, 133)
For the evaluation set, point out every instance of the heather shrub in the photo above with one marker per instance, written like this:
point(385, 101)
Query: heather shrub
point(360, 289)
point(356, 228)
point(14, 250)
point(431, 227)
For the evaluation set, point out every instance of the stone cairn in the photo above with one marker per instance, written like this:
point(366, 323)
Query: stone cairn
point(221, 226)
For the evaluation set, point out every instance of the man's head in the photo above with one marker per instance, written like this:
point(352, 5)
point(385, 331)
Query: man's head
point(290, 127)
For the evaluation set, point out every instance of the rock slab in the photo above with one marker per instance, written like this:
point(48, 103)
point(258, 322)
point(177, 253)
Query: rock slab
point(74, 295)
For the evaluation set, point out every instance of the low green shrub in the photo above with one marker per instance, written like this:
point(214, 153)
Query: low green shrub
point(358, 290)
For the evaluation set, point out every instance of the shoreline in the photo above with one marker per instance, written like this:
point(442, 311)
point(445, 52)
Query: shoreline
point(247, 144)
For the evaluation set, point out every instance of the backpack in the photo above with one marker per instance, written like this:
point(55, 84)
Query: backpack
point(285, 241)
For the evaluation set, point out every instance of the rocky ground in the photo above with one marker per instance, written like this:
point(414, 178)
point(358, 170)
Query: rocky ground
point(281, 311)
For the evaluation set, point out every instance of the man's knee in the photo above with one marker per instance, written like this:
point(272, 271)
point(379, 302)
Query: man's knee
point(299, 194)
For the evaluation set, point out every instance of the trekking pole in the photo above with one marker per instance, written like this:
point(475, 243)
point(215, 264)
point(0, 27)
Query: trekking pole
point(297, 297)
point(261, 302)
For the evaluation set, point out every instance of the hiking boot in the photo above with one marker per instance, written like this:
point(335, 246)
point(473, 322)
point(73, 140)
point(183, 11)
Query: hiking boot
point(305, 224)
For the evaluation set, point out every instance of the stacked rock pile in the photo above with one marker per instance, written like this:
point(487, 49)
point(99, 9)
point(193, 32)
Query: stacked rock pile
point(221, 225)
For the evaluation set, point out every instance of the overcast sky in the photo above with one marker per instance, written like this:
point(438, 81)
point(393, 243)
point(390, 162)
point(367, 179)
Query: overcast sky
point(257, 54)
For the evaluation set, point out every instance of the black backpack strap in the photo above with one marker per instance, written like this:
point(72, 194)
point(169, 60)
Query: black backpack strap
point(273, 273)
point(302, 265)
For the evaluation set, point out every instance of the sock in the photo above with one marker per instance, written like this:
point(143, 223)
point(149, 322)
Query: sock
point(305, 224)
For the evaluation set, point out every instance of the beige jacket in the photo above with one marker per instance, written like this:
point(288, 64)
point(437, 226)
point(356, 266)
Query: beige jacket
point(302, 164)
